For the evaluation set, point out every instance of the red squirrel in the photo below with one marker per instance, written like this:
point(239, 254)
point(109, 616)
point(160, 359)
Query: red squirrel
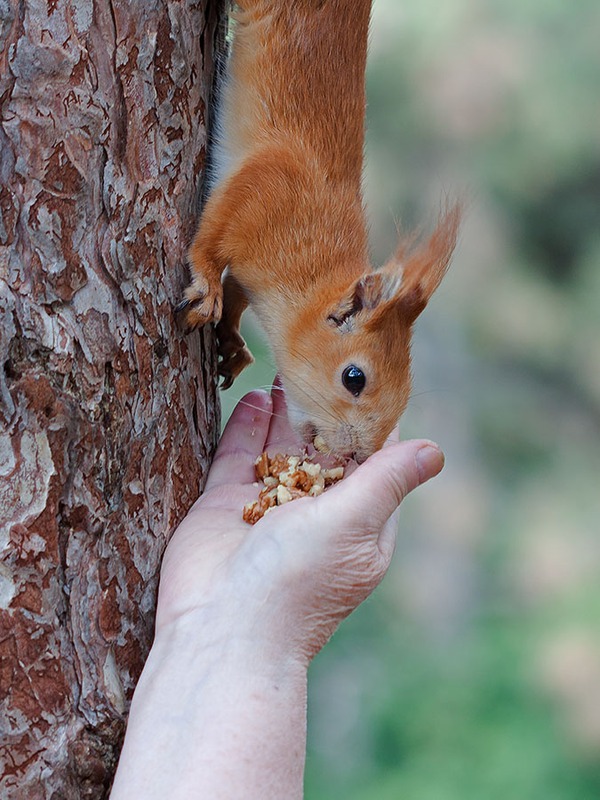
point(285, 222)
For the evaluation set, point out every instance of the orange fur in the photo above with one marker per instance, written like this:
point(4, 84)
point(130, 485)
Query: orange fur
point(286, 219)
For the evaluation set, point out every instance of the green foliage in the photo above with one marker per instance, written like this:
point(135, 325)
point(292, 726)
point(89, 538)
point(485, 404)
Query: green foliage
point(457, 722)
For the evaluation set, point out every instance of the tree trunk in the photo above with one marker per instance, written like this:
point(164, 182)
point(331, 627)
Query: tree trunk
point(108, 414)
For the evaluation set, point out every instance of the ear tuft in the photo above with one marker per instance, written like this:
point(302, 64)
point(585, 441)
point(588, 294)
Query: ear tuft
point(427, 264)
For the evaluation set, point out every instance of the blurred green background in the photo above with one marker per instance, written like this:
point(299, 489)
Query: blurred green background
point(474, 670)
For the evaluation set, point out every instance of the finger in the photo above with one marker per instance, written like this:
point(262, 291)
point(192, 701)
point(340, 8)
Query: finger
point(242, 442)
point(367, 498)
point(281, 437)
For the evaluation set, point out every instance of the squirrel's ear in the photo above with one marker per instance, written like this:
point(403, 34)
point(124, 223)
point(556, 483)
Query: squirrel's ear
point(405, 284)
point(365, 295)
point(424, 267)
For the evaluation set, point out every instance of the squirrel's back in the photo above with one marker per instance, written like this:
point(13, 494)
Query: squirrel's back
point(296, 75)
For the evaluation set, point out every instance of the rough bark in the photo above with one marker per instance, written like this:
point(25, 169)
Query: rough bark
point(107, 412)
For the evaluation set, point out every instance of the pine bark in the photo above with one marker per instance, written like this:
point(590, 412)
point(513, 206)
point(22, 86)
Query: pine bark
point(108, 413)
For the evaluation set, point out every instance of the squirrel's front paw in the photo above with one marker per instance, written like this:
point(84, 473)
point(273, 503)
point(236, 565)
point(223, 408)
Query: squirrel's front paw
point(234, 356)
point(203, 302)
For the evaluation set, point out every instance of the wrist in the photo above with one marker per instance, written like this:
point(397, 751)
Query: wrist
point(225, 641)
point(209, 699)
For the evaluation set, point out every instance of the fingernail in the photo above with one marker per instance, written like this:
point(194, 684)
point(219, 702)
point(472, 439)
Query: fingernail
point(430, 461)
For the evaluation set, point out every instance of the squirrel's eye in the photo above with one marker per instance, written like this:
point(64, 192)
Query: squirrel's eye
point(354, 379)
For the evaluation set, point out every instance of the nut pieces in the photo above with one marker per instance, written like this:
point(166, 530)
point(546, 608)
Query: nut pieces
point(287, 478)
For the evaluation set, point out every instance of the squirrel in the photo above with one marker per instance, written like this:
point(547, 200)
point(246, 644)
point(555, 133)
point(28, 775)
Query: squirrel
point(284, 228)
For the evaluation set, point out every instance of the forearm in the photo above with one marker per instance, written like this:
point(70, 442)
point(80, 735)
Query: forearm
point(214, 716)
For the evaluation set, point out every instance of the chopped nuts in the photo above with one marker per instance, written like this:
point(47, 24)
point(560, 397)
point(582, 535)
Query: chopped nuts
point(311, 469)
point(261, 466)
point(332, 475)
point(286, 479)
point(283, 495)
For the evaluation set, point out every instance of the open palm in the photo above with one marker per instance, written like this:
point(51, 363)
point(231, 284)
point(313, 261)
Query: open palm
point(305, 565)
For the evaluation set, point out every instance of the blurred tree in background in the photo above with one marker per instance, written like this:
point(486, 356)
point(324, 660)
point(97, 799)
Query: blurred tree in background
point(474, 672)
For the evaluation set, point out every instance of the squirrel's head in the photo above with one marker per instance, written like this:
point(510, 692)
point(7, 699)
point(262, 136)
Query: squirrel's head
point(346, 369)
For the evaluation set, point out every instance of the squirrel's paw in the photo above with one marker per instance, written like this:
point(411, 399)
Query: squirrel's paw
point(234, 356)
point(203, 302)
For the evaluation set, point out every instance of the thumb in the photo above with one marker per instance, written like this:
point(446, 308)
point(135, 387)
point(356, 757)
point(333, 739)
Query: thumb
point(368, 497)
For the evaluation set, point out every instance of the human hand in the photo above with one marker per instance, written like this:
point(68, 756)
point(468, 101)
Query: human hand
point(220, 707)
point(303, 567)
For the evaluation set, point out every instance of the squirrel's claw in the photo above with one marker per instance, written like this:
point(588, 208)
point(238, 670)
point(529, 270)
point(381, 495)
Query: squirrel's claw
point(203, 303)
point(232, 362)
point(182, 305)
